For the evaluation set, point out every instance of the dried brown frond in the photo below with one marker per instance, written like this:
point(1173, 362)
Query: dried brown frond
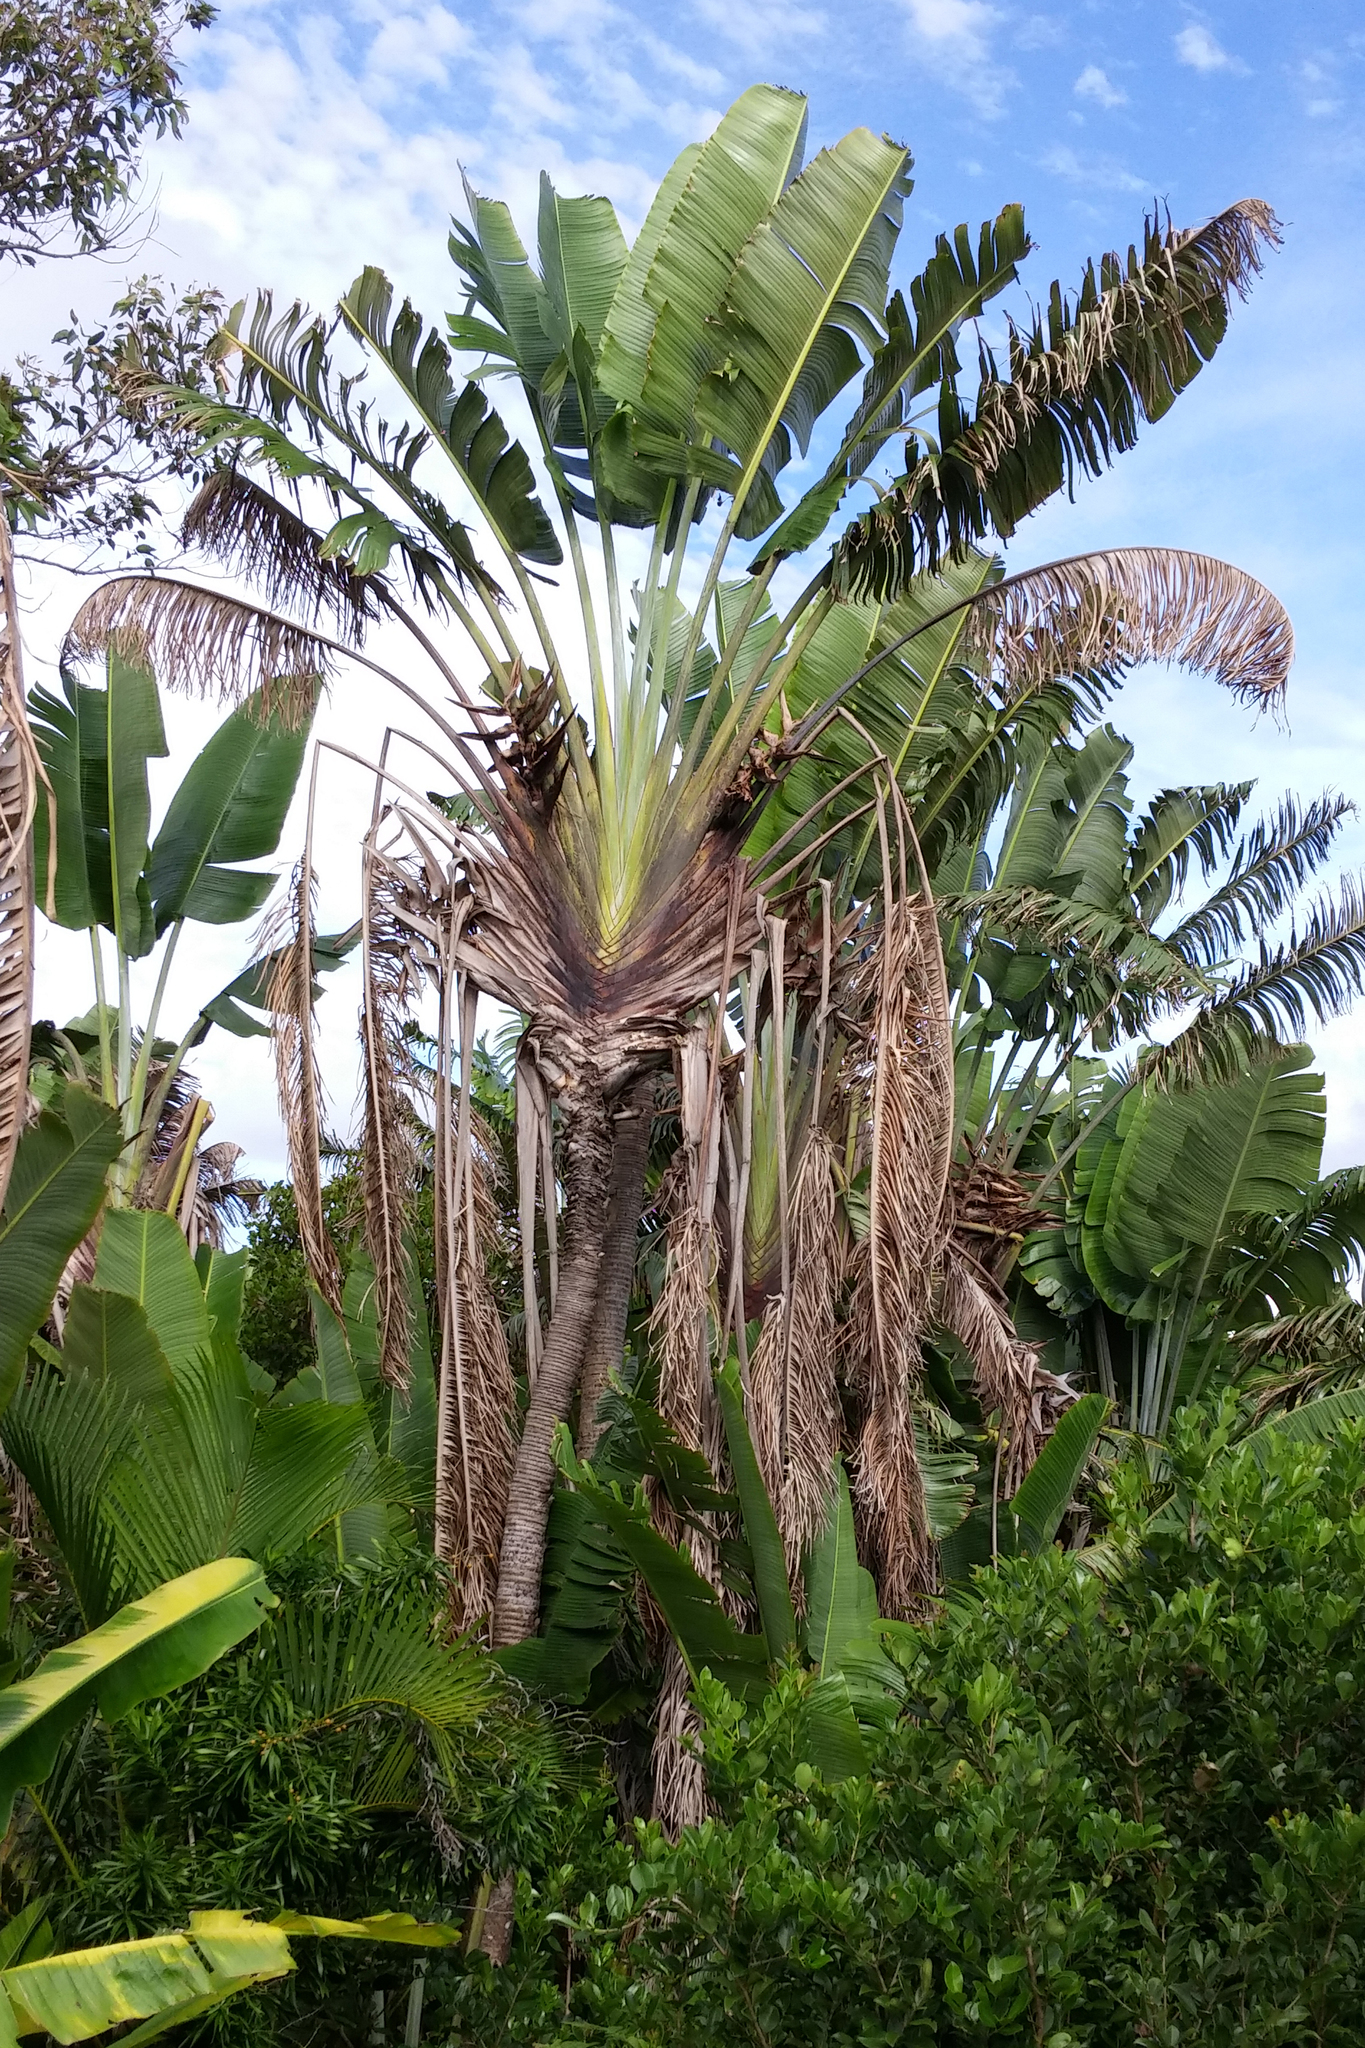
point(388, 1143)
point(795, 1413)
point(296, 1074)
point(268, 543)
point(680, 1328)
point(477, 1396)
point(993, 1209)
point(204, 641)
point(1120, 606)
point(20, 771)
point(1009, 1381)
point(1317, 1336)
point(680, 1799)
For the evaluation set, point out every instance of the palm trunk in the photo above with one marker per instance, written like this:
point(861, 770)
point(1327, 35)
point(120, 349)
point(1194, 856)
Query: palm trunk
point(606, 1341)
point(587, 1175)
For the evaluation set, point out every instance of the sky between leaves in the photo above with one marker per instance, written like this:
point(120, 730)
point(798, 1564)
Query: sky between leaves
point(325, 137)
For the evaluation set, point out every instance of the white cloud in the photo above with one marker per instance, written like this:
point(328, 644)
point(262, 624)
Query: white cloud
point(760, 26)
point(1099, 173)
point(1199, 48)
point(955, 36)
point(1094, 84)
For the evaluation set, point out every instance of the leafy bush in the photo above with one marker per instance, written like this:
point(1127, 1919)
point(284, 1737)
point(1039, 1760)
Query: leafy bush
point(1112, 1812)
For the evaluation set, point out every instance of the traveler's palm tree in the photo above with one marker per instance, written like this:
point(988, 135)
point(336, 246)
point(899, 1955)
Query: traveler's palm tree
point(651, 797)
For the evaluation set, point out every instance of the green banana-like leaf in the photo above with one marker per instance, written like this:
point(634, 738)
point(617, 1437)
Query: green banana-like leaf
point(841, 1598)
point(771, 1585)
point(582, 255)
point(230, 807)
point(146, 1649)
point(1043, 1498)
point(54, 1194)
point(143, 1255)
point(699, 1624)
point(108, 1340)
point(71, 738)
point(514, 323)
point(252, 986)
point(656, 347)
point(169, 1979)
point(401, 1928)
point(809, 285)
point(95, 747)
point(834, 1741)
point(588, 1578)
point(134, 735)
point(918, 352)
point(461, 423)
point(222, 1275)
point(1185, 1166)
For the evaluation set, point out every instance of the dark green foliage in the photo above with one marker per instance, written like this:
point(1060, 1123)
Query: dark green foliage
point(80, 88)
point(277, 1322)
point(345, 1758)
point(1113, 1812)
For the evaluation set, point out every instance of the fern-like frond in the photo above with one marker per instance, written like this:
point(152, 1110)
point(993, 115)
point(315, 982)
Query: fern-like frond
point(1083, 378)
point(1269, 869)
point(1319, 970)
point(1181, 824)
point(258, 536)
point(206, 641)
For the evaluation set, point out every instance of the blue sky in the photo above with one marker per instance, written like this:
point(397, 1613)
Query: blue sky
point(323, 138)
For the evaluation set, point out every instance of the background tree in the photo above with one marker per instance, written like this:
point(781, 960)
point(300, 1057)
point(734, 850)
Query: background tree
point(609, 883)
point(83, 85)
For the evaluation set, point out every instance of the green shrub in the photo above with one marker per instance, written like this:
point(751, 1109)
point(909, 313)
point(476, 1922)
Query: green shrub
point(1112, 1812)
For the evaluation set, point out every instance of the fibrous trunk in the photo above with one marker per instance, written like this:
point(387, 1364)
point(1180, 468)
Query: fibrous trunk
point(587, 1176)
point(631, 1128)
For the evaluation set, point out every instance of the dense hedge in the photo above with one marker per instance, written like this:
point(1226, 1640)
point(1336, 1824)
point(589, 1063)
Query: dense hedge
point(1114, 1812)
point(1119, 1806)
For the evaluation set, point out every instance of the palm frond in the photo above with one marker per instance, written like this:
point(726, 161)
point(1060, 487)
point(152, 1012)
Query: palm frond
point(1269, 868)
point(1319, 969)
point(205, 640)
point(1112, 609)
point(256, 535)
point(1180, 824)
point(19, 774)
point(1082, 379)
point(1316, 1337)
point(1075, 932)
point(293, 1028)
point(377, 1654)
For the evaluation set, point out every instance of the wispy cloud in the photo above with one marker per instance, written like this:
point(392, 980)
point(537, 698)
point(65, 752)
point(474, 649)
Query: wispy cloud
point(1198, 47)
point(1094, 84)
point(760, 27)
point(1099, 173)
point(956, 37)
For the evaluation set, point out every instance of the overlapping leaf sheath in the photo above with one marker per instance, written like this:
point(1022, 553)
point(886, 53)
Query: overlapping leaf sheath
point(475, 1450)
point(389, 1149)
point(796, 1416)
point(296, 1078)
point(909, 1107)
point(18, 786)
